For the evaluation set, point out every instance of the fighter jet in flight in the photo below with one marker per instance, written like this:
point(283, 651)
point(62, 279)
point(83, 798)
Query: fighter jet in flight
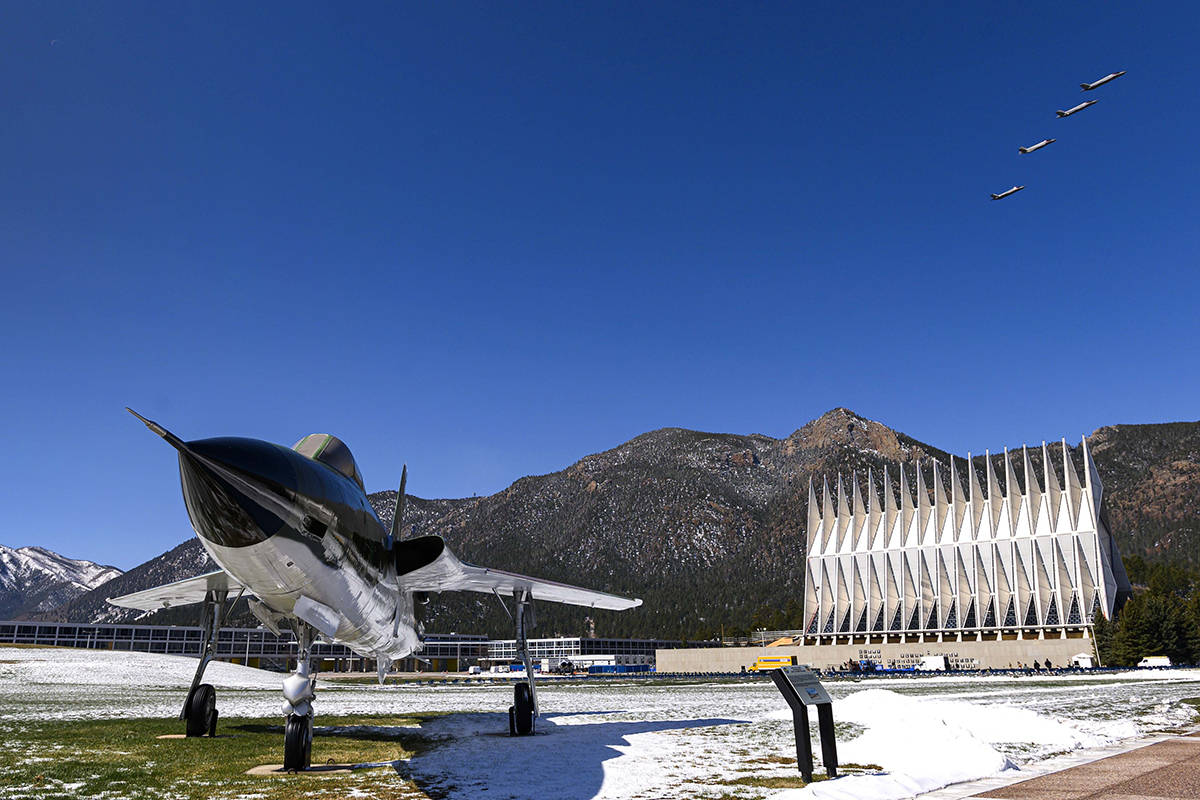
point(1006, 193)
point(1037, 146)
point(1079, 107)
point(1087, 87)
point(292, 529)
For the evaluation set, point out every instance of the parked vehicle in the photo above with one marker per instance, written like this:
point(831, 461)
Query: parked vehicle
point(772, 662)
point(1155, 661)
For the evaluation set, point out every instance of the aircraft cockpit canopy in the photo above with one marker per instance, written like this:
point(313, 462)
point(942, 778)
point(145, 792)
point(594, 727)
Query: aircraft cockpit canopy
point(332, 452)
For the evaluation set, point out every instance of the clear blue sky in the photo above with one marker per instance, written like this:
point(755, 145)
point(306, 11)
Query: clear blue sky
point(487, 239)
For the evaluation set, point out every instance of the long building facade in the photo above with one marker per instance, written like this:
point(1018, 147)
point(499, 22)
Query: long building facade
point(962, 563)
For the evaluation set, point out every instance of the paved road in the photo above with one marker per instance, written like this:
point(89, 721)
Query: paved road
point(1167, 770)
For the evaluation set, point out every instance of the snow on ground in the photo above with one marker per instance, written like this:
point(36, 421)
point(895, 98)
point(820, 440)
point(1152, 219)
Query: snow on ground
point(633, 740)
point(929, 738)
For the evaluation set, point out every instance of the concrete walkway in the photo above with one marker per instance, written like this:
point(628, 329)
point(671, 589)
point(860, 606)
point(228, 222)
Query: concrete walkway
point(1167, 770)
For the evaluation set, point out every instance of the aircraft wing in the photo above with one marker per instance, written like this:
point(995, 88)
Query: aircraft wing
point(179, 593)
point(483, 579)
point(441, 571)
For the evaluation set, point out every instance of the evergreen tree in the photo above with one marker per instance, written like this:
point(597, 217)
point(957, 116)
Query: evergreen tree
point(1102, 630)
point(1191, 622)
point(1151, 624)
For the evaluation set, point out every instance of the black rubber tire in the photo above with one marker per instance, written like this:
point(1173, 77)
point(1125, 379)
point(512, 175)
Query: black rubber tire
point(523, 709)
point(202, 711)
point(297, 742)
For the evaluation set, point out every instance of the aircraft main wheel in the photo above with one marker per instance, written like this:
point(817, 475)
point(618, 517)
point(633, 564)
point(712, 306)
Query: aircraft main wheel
point(202, 711)
point(297, 742)
point(523, 709)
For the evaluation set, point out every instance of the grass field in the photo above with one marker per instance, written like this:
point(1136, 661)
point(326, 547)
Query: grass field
point(123, 758)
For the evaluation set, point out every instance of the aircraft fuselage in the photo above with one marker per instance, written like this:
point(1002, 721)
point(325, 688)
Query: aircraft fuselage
point(290, 527)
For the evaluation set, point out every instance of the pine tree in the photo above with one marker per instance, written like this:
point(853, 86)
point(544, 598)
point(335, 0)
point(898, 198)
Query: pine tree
point(1102, 630)
point(1152, 624)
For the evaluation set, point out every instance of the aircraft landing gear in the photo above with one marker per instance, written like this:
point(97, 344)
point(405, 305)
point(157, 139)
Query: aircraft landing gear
point(200, 707)
point(297, 743)
point(201, 714)
point(298, 693)
point(520, 716)
point(523, 711)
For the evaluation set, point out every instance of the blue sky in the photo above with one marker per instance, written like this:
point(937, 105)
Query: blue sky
point(488, 239)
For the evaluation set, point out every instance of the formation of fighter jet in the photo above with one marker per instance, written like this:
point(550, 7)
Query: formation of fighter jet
point(1079, 107)
point(1087, 87)
point(292, 528)
point(1007, 192)
point(1037, 146)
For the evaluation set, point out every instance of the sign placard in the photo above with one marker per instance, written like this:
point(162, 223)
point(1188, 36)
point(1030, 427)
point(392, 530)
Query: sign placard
point(801, 688)
point(808, 687)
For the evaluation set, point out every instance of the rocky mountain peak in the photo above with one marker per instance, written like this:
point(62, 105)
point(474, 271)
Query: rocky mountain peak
point(35, 579)
point(842, 428)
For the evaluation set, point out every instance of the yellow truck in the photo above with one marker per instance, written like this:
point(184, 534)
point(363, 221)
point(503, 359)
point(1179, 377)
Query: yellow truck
point(772, 662)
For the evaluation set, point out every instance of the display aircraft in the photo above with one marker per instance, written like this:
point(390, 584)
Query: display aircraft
point(1037, 146)
point(293, 530)
point(1079, 107)
point(1087, 87)
point(1007, 192)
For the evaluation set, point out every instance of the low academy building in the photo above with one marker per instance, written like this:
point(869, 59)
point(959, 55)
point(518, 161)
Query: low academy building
point(582, 651)
point(256, 647)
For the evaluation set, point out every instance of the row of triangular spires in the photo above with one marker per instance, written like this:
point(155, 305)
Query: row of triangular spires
point(849, 525)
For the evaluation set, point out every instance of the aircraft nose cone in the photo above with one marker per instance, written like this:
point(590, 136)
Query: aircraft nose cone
point(250, 458)
point(230, 487)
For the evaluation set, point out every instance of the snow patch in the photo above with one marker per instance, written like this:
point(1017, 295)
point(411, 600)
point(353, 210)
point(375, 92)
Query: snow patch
point(922, 743)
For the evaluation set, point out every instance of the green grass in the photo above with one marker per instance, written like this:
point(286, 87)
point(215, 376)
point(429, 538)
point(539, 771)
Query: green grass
point(772, 783)
point(124, 759)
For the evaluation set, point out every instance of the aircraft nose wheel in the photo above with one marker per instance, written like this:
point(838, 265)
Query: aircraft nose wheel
point(297, 742)
point(202, 711)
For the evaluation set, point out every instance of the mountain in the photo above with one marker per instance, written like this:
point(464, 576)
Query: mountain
point(705, 527)
point(183, 561)
point(35, 579)
point(1151, 476)
point(708, 528)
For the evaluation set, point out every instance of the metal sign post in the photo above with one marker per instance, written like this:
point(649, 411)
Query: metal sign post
point(801, 689)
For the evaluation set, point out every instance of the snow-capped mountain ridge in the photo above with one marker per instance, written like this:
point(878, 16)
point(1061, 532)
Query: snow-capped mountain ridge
point(35, 579)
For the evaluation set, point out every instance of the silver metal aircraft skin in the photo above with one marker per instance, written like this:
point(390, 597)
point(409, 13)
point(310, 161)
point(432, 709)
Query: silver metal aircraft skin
point(1037, 146)
point(1007, 192)
point(1080, 107)
point(1087, 87)
point(293, 529)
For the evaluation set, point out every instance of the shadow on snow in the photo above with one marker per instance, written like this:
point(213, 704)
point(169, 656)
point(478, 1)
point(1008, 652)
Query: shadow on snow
point(473, 753)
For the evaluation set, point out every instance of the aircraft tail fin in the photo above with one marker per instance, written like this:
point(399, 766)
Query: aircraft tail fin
point(1084, 86)
point(398, 509)
point(995, 197)
point(1061, 114)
